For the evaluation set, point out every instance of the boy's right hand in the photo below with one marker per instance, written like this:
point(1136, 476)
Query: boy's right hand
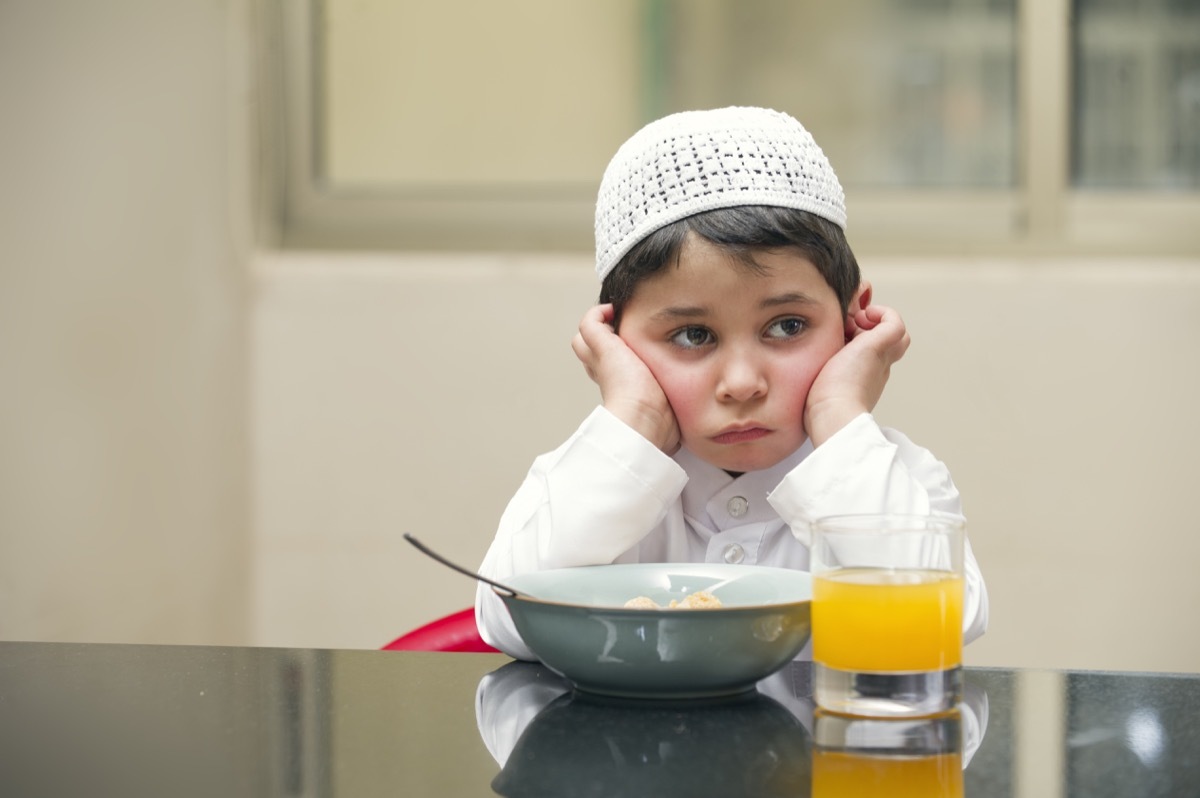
point(628, 389)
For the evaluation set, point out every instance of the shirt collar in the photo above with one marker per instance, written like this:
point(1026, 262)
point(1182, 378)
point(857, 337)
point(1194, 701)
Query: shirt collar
point(709, 491)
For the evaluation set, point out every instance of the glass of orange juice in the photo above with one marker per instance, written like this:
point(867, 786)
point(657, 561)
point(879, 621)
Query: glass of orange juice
point(918, 757)
point(887, 614)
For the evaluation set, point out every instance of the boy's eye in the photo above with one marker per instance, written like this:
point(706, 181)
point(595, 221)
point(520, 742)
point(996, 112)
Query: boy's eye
point(692, 337)
point(786, 328)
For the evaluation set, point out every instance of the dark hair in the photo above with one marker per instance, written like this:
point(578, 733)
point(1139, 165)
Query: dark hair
point(739, 230)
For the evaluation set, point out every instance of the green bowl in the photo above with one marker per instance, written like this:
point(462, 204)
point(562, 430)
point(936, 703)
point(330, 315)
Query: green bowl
point(574, 621)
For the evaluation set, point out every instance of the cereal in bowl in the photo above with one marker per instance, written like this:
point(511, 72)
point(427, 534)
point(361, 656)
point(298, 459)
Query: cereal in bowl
point(700, 600)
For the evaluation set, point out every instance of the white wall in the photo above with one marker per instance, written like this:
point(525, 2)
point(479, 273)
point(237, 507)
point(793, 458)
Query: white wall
point(123, 238)
point(397, 393)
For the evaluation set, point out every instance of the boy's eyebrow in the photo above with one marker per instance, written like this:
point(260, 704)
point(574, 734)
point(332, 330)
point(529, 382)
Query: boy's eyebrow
point(680, 312)
point(699, 311)
point(791, 297)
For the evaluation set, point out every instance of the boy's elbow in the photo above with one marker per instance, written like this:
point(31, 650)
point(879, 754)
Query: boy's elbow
point(496, 628)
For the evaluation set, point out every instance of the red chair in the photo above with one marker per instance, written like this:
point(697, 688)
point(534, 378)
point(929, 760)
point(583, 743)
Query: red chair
point(454, 632)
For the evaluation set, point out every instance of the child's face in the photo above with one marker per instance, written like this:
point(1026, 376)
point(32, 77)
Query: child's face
point(736, 351)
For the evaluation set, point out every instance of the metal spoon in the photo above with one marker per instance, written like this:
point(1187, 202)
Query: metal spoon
point(468, 572)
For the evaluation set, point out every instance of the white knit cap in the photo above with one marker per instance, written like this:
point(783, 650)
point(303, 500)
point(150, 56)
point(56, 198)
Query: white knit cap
point(697, 161)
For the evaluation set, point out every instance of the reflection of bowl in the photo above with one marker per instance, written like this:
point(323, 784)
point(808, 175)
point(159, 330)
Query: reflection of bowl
point(579, 627)
point(590, 746)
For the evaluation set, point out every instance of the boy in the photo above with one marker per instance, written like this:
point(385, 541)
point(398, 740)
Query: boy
point(738, 357)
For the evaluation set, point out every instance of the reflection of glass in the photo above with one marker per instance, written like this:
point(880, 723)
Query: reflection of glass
point(581, 744)
point(898, 758)
point(887, 614)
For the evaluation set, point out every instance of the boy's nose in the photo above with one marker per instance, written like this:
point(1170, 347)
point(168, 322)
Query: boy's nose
point(741, 380)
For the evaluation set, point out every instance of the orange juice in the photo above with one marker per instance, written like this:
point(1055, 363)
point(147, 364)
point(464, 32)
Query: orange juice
point(883, 620)
point(839, 774)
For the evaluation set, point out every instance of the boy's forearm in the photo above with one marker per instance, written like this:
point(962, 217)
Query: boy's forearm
point(589, 501)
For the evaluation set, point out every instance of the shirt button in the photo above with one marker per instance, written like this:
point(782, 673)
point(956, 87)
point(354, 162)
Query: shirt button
point(734, 553)
point(737, 506)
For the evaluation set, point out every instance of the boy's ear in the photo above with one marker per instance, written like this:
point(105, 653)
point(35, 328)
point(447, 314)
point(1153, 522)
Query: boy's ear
point(861, 298)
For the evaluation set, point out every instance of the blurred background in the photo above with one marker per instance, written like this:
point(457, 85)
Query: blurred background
point(283, 279)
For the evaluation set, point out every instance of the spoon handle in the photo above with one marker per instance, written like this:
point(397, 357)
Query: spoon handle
point(431, 553)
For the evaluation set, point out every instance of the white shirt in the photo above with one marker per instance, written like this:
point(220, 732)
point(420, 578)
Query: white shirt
point(608, 495)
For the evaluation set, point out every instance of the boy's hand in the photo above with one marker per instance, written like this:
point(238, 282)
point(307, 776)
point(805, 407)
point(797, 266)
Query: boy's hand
point(627, 388)
point(852, 381)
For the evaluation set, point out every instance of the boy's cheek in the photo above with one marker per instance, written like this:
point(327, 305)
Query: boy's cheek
point(638, 343)
point(644, 353)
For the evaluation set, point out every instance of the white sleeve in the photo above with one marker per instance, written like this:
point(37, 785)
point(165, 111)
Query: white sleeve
point(864, 468)
point(585, 503)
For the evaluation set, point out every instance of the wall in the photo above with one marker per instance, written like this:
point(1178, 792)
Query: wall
point(124, 232)
point(396, 393)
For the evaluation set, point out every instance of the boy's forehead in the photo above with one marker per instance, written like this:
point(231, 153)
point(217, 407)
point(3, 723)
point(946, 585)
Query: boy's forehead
point(765, 262)
point(702, 266)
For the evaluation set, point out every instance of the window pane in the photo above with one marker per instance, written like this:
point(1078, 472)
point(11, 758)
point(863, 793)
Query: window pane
point(535, 94)
point(1136, 94)
point(899, 93)
point(430, 98)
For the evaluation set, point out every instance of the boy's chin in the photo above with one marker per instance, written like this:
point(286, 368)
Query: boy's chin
point(743, 464)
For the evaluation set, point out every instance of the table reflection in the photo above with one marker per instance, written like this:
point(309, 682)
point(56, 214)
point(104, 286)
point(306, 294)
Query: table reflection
point(100, 720)
point(551, 740)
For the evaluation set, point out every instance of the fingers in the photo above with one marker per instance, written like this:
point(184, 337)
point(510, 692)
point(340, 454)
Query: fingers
point(584, 353)
point(595, 333)
point(628, 388)
point(873, 317)
point(881, 329)
point(598, 314)
point(596, 325)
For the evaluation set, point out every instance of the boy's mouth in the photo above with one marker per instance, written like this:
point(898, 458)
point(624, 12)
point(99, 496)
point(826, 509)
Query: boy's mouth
point(741, 435)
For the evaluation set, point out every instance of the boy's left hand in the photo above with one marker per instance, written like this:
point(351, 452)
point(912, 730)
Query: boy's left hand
point(852, 381)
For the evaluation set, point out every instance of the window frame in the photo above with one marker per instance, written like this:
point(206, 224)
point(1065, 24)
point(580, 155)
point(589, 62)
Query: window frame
point(1041, 215)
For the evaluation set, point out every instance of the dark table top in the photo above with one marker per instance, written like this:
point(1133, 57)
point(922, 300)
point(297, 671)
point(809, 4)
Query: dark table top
point(130, 720)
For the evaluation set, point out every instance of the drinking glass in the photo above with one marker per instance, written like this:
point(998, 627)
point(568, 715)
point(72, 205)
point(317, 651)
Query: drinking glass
point(887, 614)
point(917, 757)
